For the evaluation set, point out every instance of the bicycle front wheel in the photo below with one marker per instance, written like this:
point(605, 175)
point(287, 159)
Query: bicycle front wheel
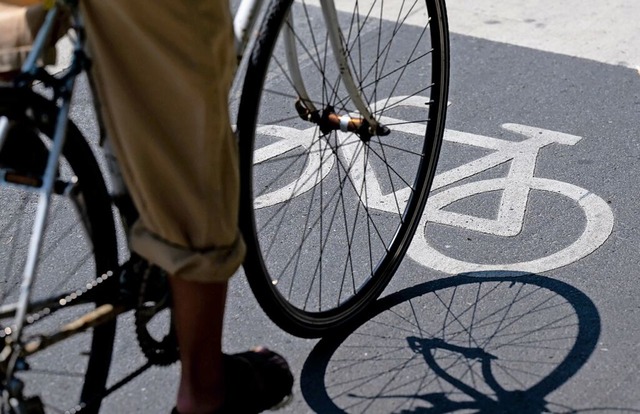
point(79, 245)
point(328, 215)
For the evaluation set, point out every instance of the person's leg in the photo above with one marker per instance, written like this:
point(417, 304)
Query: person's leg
point(246, 383)
point(198, 323)
point(163, 71)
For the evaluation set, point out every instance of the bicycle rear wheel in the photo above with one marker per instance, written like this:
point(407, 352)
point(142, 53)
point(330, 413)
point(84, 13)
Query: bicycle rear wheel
point(79, 245)
point(328, 215)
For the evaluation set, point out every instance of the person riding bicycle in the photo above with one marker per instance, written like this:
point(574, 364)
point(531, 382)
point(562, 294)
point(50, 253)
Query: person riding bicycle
point(163, 70)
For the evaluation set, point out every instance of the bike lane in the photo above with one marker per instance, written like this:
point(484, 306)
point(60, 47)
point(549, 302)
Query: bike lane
point(579, 318)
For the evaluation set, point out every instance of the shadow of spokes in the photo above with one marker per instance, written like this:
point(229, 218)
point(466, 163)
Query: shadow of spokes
point(487, 343)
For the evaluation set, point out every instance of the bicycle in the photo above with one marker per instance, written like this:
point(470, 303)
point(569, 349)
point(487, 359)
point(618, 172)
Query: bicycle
point(346, 108)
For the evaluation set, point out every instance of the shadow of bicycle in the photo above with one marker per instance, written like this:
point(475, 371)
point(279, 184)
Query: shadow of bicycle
point(492, 342)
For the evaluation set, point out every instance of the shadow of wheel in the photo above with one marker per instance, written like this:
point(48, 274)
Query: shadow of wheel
point(492, 343)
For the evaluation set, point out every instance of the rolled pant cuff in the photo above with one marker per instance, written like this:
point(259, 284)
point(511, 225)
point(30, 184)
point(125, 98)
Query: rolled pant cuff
point(215, 265)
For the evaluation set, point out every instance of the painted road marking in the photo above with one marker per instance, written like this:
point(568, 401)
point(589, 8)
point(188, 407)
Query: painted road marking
point(598, 228)
point(515, 192)
point(515, 188)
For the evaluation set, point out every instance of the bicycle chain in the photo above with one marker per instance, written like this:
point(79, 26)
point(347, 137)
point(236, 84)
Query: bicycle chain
point(68, 300)
point(148, 303)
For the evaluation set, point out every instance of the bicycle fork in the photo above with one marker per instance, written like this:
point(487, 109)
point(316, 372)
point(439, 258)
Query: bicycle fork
point(366, 125)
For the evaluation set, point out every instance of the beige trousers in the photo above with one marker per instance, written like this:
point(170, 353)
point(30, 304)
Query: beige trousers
point(163, 70)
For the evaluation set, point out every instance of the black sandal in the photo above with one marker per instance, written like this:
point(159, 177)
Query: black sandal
point(255, 381)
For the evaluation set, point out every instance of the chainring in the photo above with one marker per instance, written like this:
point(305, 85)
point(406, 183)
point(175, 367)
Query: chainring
point(154, 296)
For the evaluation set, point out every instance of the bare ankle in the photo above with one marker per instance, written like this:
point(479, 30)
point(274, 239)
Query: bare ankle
point(190, 404)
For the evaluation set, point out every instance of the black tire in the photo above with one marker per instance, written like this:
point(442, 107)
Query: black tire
point(70, 256)
point(323, 243)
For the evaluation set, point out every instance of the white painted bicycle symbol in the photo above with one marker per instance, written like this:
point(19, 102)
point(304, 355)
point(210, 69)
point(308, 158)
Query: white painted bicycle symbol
point(515, 189)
